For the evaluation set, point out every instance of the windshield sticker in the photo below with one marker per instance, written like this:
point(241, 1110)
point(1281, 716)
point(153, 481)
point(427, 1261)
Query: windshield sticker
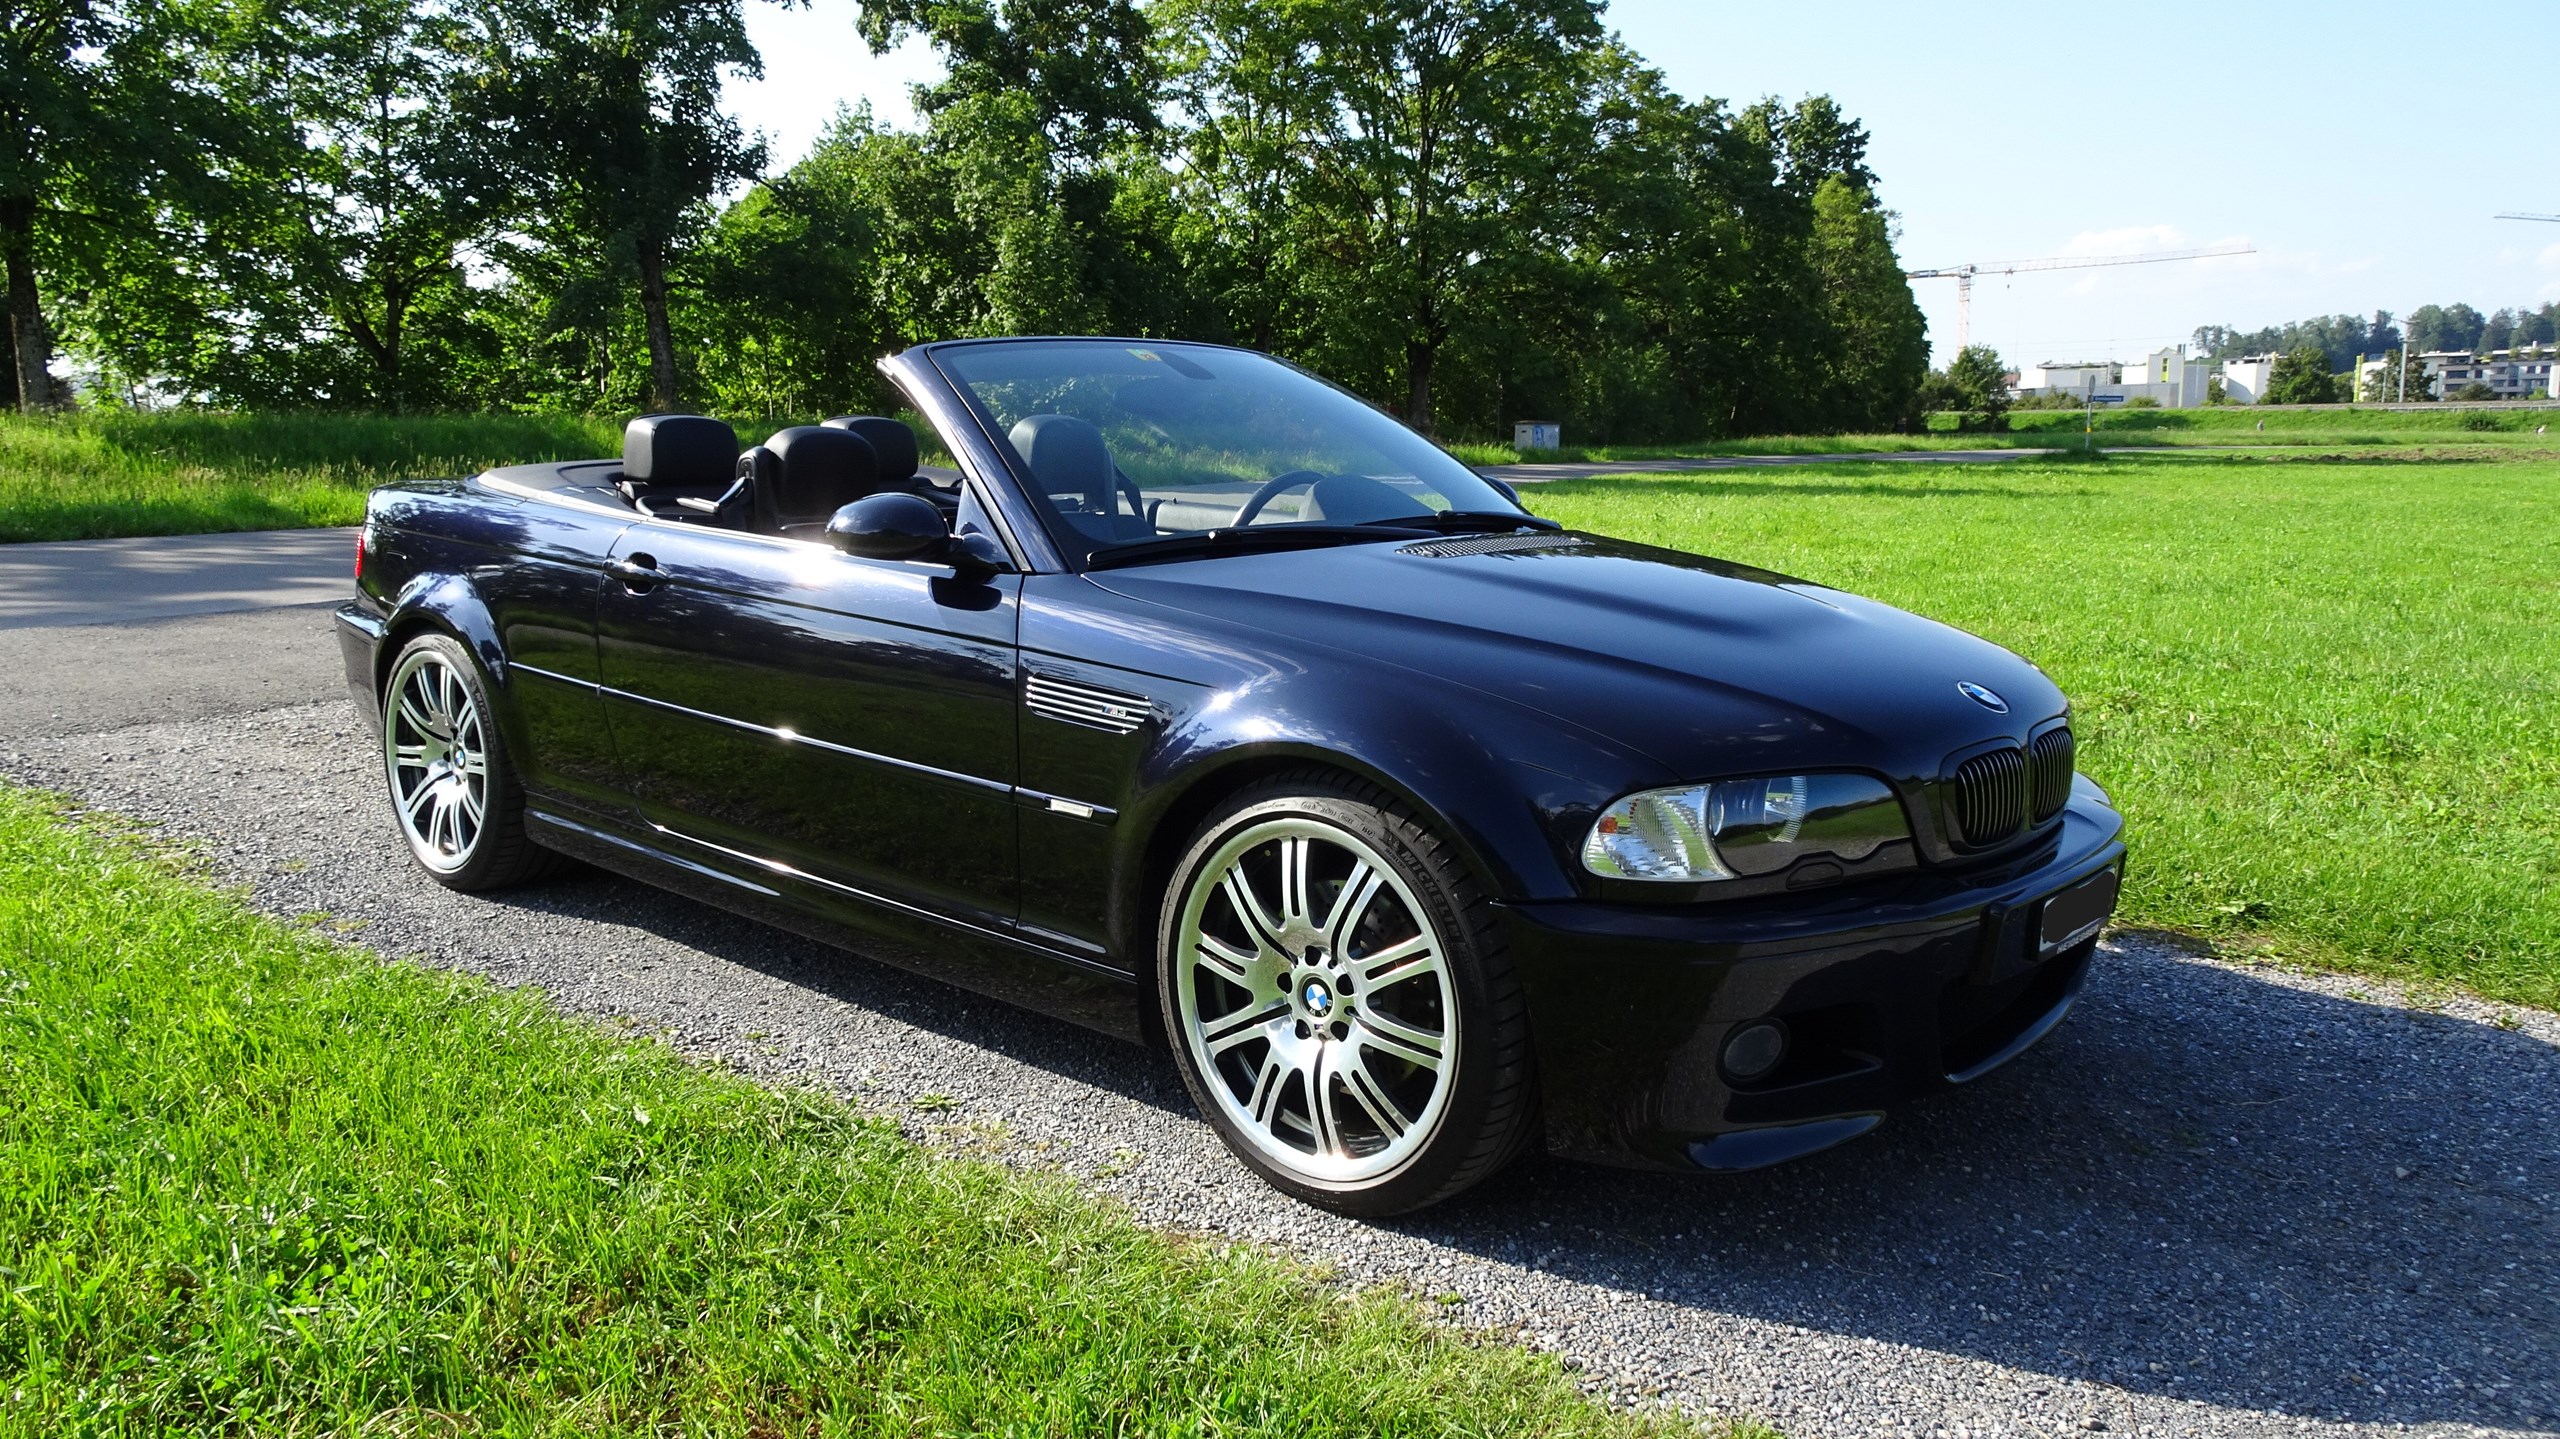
point(1146, 354)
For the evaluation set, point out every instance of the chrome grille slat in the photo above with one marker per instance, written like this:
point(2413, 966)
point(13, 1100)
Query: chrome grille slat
point(1088, 705)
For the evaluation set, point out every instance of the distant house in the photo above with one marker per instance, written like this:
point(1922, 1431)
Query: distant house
point(2244, 380)
point(2171, 379)
point(2517, 374)
point(2509, 374)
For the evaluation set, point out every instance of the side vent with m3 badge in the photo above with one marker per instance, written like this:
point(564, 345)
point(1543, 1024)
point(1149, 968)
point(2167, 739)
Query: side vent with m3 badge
point(1087, 705)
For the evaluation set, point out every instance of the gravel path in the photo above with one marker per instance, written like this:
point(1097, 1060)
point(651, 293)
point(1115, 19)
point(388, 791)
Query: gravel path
point(2217, 1202)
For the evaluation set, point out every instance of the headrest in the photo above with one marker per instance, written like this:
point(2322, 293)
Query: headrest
point(692, 451)
point(1066, 456)
point(890, 439)
point(815, 472)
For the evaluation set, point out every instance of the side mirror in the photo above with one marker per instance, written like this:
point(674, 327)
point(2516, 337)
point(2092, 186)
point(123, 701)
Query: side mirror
point(909, 527)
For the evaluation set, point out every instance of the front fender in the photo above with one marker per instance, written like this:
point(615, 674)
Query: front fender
point(1504, 785)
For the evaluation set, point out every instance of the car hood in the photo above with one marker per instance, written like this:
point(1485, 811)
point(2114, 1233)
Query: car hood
point(1707, 667)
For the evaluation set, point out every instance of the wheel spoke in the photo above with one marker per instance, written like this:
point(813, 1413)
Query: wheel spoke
point(1390, 1035)
point(1266, 929)
point(412, 715)
point(1372, 1097)
point(1240, 1026)
point(415, 802)
point(1398, 962)
point(1321, 1083)
point(474, 764)
point(1232, 965)
point(410, 756)
point(1270, 1082)
point(1296, 859)
point(472, 805)
point(1350, 905)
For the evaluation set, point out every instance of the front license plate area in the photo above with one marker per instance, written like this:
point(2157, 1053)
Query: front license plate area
point(2069, 916)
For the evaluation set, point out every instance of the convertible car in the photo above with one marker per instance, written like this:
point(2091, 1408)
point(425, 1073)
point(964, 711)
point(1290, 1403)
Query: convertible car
point(1202, 703)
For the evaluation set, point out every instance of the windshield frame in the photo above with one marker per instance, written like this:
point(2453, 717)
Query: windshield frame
point(1075, 551)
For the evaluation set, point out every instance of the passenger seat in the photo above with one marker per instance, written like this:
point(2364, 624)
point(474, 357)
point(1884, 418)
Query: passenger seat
point(800, 477)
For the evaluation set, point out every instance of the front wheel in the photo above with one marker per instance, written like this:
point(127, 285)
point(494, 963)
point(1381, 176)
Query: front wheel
point(1340, 1002)
point(453, 793)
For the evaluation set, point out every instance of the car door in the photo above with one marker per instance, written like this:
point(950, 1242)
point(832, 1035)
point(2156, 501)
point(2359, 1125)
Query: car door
point(850, 720)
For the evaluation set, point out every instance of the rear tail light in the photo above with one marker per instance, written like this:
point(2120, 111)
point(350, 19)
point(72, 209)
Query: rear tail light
point(359, 554)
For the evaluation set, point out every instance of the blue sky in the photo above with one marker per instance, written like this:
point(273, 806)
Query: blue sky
point(2361, 148)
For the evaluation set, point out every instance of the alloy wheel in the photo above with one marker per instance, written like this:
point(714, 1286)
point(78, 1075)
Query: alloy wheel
point(435, 751)
point(1315, 1000)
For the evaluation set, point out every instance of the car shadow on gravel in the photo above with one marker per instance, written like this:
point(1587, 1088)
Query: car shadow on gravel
point(2206, 1185)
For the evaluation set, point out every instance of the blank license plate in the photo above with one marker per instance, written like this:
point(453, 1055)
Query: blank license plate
point(2078, 912)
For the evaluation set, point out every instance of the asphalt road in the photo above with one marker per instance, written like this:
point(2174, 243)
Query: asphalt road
point(2218, 1201)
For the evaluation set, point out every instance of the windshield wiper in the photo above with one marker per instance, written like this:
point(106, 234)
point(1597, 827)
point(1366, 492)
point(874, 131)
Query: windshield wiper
point(1470, 522)
point(1250, 539)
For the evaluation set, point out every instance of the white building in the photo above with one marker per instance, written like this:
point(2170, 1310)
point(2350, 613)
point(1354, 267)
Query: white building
point(2169, 378)
point(2510, 374)
point(2517, 374)
point(2055, 377)
point(2244, 380)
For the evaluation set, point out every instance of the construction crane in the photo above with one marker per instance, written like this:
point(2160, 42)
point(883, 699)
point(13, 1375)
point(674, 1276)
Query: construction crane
point(1963, 274)
point(2516, 215)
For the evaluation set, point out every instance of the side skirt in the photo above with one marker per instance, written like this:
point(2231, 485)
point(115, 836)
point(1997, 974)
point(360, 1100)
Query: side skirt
point(1015, 971)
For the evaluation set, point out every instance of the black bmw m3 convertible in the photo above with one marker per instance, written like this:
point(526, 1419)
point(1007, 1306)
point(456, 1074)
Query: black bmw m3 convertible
point(1204, 704)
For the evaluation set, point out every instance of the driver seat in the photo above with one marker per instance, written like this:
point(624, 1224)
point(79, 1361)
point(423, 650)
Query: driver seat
point(1070, 462)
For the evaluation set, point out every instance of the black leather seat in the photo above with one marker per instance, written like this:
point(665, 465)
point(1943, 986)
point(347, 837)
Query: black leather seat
point(668, 460)
point(1072, 465)
point(801, 476)
point(890, 439)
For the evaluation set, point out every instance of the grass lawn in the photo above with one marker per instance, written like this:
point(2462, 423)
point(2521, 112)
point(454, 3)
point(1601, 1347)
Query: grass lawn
point(99, 473)
point(2326, 693)
point(258, 1183)
point(2468, 428)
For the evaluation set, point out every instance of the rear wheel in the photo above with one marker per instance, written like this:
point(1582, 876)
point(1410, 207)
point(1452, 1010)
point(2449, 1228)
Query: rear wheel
point(453, 793)
point(1339, 1000)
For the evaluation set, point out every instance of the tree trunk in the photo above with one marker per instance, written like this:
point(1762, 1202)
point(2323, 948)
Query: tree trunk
point(30, 344)
point(653, 310)
point(1418, 355)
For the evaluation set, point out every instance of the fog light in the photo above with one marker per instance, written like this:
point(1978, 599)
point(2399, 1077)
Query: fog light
point(1755, 1049)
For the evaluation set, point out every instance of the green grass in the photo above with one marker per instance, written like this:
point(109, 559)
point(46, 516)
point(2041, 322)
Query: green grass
point(100, 473)
point(2326, 693)
point(2450, 426)
point(261, 1184)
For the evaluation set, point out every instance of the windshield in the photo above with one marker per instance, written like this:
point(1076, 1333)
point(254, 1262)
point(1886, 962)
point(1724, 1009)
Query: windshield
point(1127, 443)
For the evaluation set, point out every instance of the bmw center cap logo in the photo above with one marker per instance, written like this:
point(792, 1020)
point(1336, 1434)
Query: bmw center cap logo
point(1982, 697)
point(1319, 999)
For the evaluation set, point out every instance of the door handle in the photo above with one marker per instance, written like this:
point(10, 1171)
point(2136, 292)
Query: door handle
point(639, 574)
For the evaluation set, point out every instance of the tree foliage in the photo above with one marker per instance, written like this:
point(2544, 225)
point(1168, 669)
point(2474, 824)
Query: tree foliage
point(1472, 211)
point(2302, 377)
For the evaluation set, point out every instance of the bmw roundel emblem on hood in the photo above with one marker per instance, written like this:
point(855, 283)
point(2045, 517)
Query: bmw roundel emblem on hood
point(1982, 697)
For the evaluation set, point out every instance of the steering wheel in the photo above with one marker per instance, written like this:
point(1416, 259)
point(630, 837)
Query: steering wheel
point(1270, 490)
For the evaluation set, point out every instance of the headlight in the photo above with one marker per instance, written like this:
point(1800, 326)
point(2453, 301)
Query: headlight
point(1737, 829)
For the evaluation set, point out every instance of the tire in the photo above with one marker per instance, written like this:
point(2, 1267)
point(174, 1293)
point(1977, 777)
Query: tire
point(454, 796)
point(1319, 940)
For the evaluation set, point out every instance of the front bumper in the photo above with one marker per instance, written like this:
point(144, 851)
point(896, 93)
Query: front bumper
point(1884, 998)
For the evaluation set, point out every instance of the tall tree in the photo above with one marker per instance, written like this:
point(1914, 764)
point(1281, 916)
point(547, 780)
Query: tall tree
point(1416, 127)
point(1882, 338)
point(609, 110)
point(1088, 67)
point(368, 196)
point(1976, 384)
point(2302, 377)
point(113, 106)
